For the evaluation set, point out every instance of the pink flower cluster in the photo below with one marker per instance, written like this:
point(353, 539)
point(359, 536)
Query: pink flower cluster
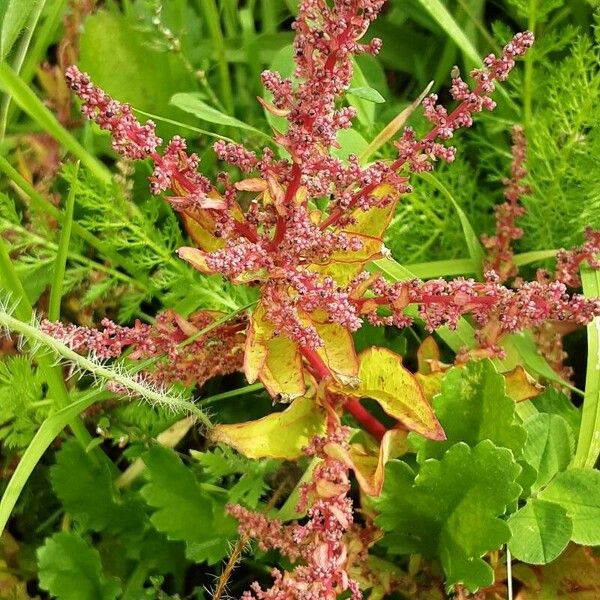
point(320, 543)
point(499, 246)
point(174, 170)
point(218, 352)
point(419, 154)
point(569, 261)
point(497, 310)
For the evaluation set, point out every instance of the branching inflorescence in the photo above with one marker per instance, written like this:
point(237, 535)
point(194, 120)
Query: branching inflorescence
point(309, 262)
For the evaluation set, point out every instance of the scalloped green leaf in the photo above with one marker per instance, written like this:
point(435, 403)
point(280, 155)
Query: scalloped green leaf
point(473, 406)
point(184, 510)
point(451, 511)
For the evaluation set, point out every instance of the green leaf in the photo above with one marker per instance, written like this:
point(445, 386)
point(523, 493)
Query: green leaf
point(367, 93)
point(523, 343)
point(553, 402)
point(14, 15)
point(185, 511)
point(451, 510)
point(578, 492)
point(472, 407)
point(351, 142)
point(85, 488)
point(548, 446)
point(123, 59)
point(70, 569)
point(445, 20)
point(540, 531)
point(365, 109)
point(193, 104)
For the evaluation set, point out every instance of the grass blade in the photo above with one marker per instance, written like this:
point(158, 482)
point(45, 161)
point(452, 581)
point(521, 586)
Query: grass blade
point(14, 16)
point(61, 256)
point(473, 245)
point(446, 21)
point(13, 85)
point(45, 435)
point(588, 445)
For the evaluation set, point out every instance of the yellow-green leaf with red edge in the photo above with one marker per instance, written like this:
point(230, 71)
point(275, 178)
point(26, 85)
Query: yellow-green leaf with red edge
point(199, 225)
point(283, 374)
point(338, 346)
point(368, 462)
point(276, 360)
point(384, 379)
point(281, 435)
point(260, 331)
point(196, 258)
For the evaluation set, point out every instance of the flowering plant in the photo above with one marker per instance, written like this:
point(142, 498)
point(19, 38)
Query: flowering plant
point(305, 229)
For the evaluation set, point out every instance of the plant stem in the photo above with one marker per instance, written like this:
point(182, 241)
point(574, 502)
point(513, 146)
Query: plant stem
point(366, 419)
point(120, 377)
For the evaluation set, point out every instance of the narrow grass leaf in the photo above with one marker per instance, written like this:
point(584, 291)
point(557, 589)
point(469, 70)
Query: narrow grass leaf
point(45, 435)
point(61, 256)
point(12, 84)
point(14, 15)
point(588, 445)
point(473, 245)
point(193, 104)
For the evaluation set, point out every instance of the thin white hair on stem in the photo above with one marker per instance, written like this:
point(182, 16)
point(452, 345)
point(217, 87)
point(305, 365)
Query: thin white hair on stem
point(115, 376)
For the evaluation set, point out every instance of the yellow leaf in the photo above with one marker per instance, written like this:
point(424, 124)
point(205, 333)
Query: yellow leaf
point(338, 349)
point(384, 379)
point(374, 221)
point(431, 384)
point(428, 355)
point(282, 373)
point(199, 225)
point(369, 463)
point(520, 385)
point(281, 435)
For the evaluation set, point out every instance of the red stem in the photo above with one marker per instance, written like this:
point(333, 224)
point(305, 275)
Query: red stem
point(366, 419)
point(354, 407)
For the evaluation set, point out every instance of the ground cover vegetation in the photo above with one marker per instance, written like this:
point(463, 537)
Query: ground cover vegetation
point(299, 300)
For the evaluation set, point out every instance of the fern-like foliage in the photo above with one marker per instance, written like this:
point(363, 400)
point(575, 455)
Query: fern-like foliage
point(22, 404)
point(564, 142)
point(246, 479)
